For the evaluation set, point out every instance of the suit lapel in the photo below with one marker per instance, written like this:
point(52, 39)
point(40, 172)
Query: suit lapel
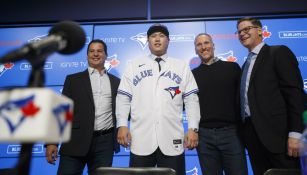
point(87, 85)
point(260, 58)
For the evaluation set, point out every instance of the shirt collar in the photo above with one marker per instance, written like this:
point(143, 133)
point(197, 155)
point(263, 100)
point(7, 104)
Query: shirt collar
point(92, 70)
point(257, 49)
point(153, 57)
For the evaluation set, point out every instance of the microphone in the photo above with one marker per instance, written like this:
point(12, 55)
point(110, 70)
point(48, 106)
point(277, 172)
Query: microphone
point(66, 37)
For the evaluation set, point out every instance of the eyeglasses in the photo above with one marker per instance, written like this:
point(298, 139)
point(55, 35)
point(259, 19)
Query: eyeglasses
point(245, 30)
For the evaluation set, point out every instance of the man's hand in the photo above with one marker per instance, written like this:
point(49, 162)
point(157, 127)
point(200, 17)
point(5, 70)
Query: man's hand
point(124, 136)
point(293, 147)
point(51, 153)
point(191, 139)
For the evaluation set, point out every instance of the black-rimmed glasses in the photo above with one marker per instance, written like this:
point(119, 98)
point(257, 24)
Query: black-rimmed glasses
point(245, 30)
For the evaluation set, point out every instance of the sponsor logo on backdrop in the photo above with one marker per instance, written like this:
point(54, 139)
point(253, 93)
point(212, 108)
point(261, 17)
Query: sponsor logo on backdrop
point(114, 40)
point(193, 171)
point(28, 66)
point(73, 64)
point(141, 38)
point(292, 34)
point(228, 56)
point(111, 62)
point(265, 32)
point(305, 85)
point(15, 149)
point(4, 67)
point(301, 58)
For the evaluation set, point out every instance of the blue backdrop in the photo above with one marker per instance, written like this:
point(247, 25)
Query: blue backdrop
point(126, 42)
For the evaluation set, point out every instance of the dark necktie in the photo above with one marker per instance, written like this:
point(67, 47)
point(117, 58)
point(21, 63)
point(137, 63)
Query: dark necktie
point(243, 84)
point(158, 59)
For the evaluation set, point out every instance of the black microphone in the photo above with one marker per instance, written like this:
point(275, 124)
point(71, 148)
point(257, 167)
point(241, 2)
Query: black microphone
point(66, 37)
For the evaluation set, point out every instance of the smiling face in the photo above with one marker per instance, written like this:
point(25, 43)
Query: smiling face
point(249, 35)
point(204, 48)
point(96, 56)
point(158, 43)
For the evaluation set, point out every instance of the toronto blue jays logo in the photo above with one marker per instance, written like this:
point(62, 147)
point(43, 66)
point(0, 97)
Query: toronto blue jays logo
point(5, 67)
point(63, 116)
point(173, 91)
point(228, 56)
point(22, 108)
point(111, 62)
point(141, 38)
point(265, 32)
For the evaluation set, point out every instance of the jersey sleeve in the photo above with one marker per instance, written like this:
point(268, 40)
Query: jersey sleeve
point(123, 98)
point(190, 99)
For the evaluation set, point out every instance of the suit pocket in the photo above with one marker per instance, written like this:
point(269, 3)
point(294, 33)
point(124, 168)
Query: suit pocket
point(75, 124)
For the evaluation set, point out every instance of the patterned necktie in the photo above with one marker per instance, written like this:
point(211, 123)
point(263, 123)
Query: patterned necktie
point(243, 84)
point(158, 59)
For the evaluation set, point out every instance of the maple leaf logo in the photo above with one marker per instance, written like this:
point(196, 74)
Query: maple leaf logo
point(30, 109)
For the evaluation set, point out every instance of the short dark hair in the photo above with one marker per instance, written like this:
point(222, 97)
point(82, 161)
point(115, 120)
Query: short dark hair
point(254, 21)
point(157, 28)
point(98, 41)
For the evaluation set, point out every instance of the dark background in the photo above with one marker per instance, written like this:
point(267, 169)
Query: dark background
point(16, 12)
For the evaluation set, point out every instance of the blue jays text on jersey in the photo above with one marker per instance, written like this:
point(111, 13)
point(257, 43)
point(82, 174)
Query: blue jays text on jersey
point(147, 73)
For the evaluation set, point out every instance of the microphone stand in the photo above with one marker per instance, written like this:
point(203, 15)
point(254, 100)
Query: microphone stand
point(36, 79)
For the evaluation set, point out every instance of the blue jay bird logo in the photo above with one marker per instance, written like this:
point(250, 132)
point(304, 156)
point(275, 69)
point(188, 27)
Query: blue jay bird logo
point(63, 116)
point(173, 91)
point(22, 108)
point(141, 38)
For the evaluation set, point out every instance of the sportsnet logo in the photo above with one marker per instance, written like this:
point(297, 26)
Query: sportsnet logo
point(228, 56)
point(5, 67)
point(265, 32)
point(24, 108)
point(111, 62)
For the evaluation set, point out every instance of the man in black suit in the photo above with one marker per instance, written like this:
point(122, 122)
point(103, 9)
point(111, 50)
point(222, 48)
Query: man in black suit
point(272, 101)
point(93, 133)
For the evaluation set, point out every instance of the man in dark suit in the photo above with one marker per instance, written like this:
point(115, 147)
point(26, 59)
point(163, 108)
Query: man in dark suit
point(272, 101)
point(93, 133)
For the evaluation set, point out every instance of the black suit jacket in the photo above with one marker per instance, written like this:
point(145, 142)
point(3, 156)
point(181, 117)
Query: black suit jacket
point(78, 88)
point(276, 96)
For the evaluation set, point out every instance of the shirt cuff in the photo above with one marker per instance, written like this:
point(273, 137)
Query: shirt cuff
point(121, 122)
point(193, 124)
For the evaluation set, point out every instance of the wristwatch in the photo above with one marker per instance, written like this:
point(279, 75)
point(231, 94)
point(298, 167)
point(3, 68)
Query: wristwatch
point(194, 130)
